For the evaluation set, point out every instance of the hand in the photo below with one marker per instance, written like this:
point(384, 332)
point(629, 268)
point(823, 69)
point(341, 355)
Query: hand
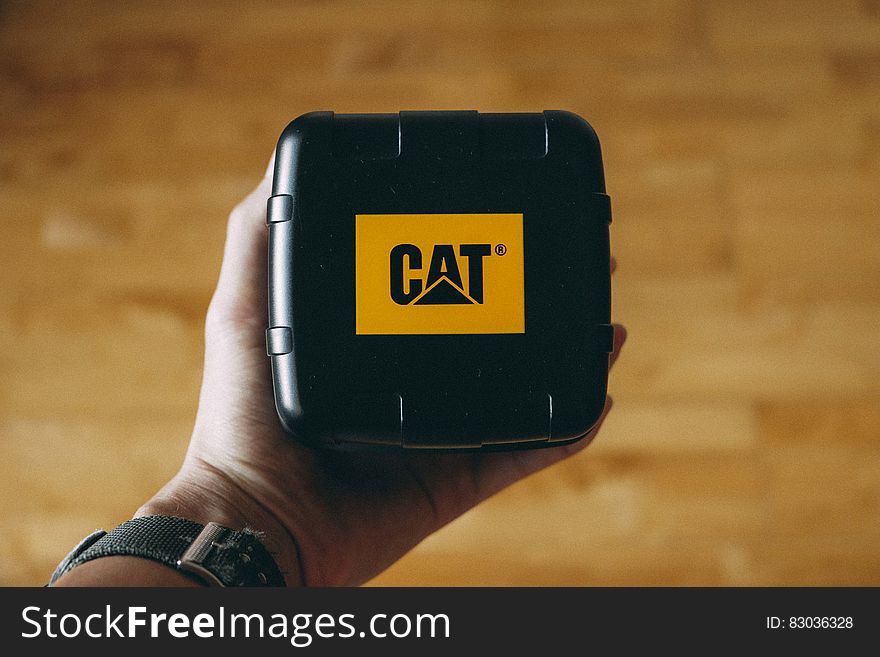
point(330, 518)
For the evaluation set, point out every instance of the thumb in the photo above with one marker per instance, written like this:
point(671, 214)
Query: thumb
point(240, 299)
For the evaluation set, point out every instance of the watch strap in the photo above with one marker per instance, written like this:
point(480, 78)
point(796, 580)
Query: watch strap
point(211, 553)
point(80, 547)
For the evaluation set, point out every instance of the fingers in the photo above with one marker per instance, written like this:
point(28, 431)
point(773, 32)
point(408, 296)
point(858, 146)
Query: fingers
point(620, 335)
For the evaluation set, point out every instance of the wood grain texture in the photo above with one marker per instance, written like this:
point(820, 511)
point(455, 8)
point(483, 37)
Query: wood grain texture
point(742, 147)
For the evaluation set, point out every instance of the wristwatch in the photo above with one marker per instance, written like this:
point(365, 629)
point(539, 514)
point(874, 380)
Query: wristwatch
point(211, 554)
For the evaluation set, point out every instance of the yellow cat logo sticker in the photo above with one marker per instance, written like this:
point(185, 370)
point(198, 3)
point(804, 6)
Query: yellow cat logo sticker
point(439, 273)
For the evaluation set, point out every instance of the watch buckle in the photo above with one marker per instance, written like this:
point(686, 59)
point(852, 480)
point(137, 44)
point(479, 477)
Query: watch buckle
point(193, 560)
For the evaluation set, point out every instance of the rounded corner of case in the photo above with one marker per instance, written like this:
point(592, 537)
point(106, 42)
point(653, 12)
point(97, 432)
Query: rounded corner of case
point(573, 123)
point(289, 417)
point(299, 129)
point(287, 404)
point(581, 422)
point(304, 122)
point(296, 424)
point(573, 144)
point(289, 149)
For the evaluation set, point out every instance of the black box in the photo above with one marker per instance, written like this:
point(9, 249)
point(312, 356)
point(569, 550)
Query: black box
point(439, 279)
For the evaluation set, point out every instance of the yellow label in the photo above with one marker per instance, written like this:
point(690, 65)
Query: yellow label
point(439, 273)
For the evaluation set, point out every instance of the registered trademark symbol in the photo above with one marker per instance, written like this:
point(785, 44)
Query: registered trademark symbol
point(500, 249)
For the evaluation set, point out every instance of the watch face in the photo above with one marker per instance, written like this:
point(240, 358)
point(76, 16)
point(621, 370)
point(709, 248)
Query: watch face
point(439, 279)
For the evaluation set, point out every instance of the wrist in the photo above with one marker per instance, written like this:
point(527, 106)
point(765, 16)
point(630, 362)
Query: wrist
point(203, 494)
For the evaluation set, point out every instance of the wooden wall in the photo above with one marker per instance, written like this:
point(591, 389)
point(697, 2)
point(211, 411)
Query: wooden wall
point(742, 147)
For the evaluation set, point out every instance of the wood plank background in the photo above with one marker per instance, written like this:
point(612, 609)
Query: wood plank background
point(742, 142)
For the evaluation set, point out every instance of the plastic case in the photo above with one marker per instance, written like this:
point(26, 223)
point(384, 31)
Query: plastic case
point(439, 279)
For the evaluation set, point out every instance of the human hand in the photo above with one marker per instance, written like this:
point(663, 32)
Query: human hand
point(329, 517)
